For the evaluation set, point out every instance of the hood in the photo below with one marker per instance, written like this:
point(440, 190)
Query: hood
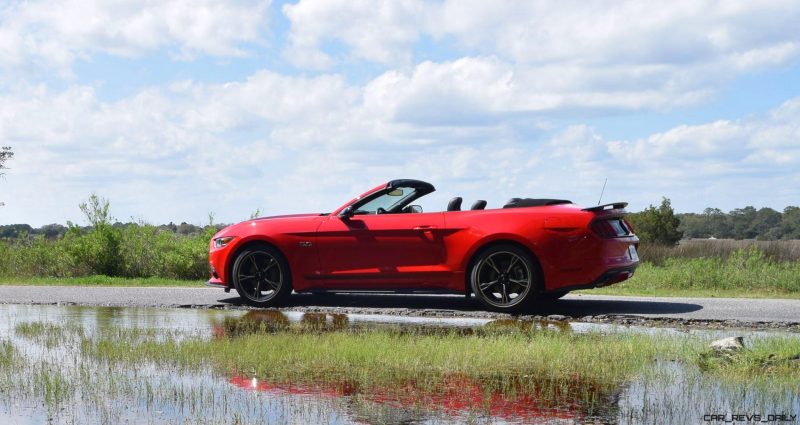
point(283, 216)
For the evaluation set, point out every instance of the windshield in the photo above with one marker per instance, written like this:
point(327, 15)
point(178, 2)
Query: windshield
point(387, 202)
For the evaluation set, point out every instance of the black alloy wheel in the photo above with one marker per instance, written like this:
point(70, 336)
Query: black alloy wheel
point(261, 276)
point(505, 278)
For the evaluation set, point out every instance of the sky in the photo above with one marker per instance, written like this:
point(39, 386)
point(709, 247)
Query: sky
point(174, 109)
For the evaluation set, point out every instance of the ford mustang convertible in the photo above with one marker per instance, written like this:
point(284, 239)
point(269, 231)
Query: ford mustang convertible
point(527, 252)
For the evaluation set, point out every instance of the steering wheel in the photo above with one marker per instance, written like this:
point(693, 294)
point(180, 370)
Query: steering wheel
point(380, 210)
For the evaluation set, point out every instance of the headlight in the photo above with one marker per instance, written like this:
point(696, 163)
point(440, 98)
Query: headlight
point(221, 242)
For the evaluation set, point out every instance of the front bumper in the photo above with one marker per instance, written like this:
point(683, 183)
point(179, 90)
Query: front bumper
point(216, 283)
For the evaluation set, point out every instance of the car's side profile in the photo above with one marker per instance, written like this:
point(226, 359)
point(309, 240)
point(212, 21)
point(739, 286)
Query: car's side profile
point(530, 250)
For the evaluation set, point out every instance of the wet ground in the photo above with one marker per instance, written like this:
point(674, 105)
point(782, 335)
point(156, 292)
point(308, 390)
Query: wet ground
point(141, 393)
point(692, 312)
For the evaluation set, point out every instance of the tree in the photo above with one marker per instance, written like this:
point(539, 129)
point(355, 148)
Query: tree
point(790, 223)
point(13, 231)
point(96, 211)
point(51, 231)
point(5, 155)
point(693, 225)
point(766, 224)
point(742, 222)
point(99, 248)
point(717, 223)
point(657, 225)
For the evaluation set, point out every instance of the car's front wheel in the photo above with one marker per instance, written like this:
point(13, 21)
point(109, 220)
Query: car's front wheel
point(505, 278)
point(261, 276)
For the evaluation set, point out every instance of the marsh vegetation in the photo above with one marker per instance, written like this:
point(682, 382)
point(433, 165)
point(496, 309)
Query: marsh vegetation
point(105, 365)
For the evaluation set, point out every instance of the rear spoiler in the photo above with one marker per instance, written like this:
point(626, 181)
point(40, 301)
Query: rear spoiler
point(612, 206)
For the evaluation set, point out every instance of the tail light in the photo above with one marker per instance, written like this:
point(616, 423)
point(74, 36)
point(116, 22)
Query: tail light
point(611, 228)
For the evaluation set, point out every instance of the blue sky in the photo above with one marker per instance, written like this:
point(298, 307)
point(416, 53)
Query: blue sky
point(173, 109)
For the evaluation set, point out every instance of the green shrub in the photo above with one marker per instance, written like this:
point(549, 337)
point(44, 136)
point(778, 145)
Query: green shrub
point(744, 269)
point(133, 250)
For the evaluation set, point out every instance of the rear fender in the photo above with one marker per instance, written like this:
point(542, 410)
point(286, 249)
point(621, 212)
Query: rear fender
point(495, 239)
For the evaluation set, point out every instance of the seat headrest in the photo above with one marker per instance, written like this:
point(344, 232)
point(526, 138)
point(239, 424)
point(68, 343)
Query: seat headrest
point(454, 204)
point(478, 205)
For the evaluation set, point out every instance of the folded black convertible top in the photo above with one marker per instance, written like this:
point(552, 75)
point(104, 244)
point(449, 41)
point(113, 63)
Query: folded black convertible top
point(531, 202)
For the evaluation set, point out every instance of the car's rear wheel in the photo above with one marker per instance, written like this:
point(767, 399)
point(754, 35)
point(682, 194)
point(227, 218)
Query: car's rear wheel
point(261, 276)
point(505, 278)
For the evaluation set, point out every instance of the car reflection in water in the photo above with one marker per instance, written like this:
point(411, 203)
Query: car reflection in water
point(519, 399)
point(271, 321)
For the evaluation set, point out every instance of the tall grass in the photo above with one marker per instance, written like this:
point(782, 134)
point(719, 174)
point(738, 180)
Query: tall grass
point(132, 251)
point(744, 270)
point(366, 358)
point(723, 267)
point(773, 251)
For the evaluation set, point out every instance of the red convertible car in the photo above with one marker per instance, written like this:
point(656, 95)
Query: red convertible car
point(528, 251)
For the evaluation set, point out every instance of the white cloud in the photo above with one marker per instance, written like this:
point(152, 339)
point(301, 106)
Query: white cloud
point(538, 32)
point(578, 54)
point(477, 91)
point(54, 34)
point(294, 144)
point(765, 142)
point(376, 30)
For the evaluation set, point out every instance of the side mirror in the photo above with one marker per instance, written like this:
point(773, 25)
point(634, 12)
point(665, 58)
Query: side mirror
point(416, 209)
point(347, 212)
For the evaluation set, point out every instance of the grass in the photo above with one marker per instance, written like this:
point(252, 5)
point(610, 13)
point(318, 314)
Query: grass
point(151, 370)
point(501, 359)
point(773, 251)
point(768, 360)
point(98, 281)
point(382, 358)
point(630, 290)
point(743, 273)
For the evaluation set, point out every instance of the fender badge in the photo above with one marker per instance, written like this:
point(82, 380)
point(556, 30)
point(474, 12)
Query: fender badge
point(305, 244)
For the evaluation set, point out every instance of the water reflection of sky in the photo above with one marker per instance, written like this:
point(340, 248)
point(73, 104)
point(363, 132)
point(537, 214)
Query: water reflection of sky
point(682, 395)
point(199, 320)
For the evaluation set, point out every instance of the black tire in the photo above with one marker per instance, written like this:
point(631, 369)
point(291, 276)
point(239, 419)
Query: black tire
point(505, 278)
point(261, 276)
point(552, 296)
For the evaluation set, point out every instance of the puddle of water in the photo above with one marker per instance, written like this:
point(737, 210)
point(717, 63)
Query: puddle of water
point(61, 385)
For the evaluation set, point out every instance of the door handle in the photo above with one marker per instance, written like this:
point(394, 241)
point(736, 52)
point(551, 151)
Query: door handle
point(424, 227)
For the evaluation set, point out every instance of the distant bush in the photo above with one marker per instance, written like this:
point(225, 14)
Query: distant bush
point(136, 250)
point(657, 225)
point(133, 251)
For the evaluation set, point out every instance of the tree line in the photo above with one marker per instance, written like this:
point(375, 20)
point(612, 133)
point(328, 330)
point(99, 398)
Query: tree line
point(660, 224)
point(742, 223)
point(56, 231)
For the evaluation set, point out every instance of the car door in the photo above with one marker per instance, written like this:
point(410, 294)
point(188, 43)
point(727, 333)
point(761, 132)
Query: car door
point(389, 251)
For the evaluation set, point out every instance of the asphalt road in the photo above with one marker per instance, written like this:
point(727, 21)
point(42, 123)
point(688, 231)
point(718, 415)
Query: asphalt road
point(573, 305)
